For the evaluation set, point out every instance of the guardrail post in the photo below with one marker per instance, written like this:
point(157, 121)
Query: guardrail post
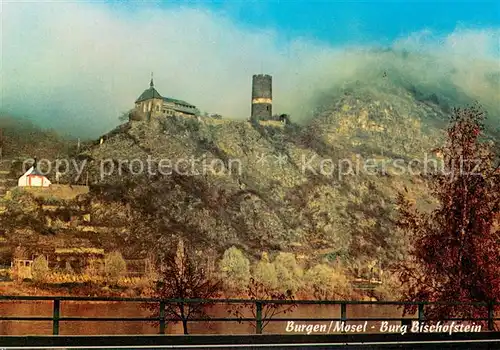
point(162, 317)
point(55, 316)
point(258, 317)
point(421, 315)
point(491, 313)
point(343, 313)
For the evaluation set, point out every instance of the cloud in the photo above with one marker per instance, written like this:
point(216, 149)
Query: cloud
point(76, 66)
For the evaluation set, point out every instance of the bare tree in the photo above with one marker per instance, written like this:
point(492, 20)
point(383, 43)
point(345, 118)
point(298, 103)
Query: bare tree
point(257, 291)
point(183, 275)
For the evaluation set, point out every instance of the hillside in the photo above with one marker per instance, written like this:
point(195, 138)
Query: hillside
point(23, 139)
point(281, 193)
point(324, 189)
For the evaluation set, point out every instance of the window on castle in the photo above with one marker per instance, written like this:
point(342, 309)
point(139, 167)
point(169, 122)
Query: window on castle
point(157, 108)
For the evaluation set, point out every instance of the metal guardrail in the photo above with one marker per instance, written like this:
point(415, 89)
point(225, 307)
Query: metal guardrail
point(259, 319)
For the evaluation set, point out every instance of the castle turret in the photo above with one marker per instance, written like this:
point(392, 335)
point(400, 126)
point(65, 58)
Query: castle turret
point(262, 97)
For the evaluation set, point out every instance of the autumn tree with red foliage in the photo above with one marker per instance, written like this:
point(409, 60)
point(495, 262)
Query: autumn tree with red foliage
point(455, 253)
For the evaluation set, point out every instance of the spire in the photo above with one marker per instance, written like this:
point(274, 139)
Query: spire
point(151, 84)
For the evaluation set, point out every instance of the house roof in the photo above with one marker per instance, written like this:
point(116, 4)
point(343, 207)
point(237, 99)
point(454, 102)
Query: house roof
point(179, 102)
point(36, 172)
point(153, 93)
point(148, 94)
point(33, 171)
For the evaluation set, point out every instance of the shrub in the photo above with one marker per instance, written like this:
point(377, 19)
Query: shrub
point(235, 269)
point(40, 269)
point(94, 268)
point(5, 275)
point(114, 267)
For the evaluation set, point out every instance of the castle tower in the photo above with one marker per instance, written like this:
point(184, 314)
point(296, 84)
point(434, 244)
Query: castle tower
point(262, 97)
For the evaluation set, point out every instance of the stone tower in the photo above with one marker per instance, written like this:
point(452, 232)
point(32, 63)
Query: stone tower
point(262, 97)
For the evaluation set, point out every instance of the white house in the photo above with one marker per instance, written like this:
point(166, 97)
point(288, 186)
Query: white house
point(33, 178)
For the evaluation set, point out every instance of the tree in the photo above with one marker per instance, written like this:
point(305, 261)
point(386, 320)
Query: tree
point(325, 283)
point(265, 273)
point(288, 272)
point(455, 253)
point(270, 282)
point(114, 267)
point(39, 269)
point(183, 275)
point(235, 269)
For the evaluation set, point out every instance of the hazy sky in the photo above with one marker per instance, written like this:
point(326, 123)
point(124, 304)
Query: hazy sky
point(76, 66)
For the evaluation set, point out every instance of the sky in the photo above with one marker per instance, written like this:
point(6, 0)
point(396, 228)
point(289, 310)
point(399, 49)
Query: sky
point(76, 66)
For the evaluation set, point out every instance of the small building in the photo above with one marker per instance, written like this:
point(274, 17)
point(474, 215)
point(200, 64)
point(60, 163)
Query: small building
point(22, 268)
point(33, 178)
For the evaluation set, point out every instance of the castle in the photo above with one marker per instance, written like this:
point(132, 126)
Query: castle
point(151, 104)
